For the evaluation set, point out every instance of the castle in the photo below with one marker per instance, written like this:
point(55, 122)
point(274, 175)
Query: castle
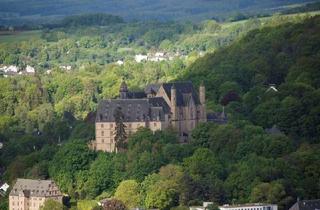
point(177, 105)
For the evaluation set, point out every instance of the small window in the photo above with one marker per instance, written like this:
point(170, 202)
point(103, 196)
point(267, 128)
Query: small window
point(129, 125)
point(102, 133)
point(111, 125)
point(101, 125)
point(155, 124)
point(102, 140)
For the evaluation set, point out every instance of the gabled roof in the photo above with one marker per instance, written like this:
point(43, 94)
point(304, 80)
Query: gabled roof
point(185, 90)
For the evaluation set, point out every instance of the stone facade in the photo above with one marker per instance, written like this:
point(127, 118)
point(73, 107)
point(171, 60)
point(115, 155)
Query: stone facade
point(28, 194)
point(160, 106)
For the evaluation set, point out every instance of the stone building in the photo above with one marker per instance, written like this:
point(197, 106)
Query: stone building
point(177, 105)
point(28, 194)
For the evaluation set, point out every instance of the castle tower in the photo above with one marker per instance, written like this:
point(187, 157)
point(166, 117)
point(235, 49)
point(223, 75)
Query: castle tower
point(123, 90)
point(174, 108)
point(202, 98)
point(202, 94)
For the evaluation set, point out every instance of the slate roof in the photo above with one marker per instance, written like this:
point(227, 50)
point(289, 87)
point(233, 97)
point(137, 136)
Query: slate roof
point(152, 88)
point(217, 117)
point(185, 91)
point(32, 187)
point(134, 110)
point(274, 130)
point(136, 95)
point(307, 205)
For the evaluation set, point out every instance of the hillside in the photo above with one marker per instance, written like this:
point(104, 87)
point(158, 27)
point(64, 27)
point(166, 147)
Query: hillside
point(286, 56)
point(142, 9)
point(45, 130)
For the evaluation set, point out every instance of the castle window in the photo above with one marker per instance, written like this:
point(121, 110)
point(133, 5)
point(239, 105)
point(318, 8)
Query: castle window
point(129, 125)
point(101, 125)
point(111, 133)
point(102, 140)
point(111, 125)
point(102, 133)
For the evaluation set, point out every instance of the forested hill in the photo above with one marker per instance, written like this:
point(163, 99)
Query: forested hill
point(140, 9)
point(287, 56)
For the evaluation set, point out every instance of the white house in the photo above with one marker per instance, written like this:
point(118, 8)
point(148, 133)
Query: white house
point(68, 68)
point(30, 70)
point(119, 62)
point(139, 58)
point(4, 187)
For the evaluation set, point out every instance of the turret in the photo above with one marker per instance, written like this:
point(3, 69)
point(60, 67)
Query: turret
point(123, 90)
point(202, 98)
point(174, 105)
point(202, 94)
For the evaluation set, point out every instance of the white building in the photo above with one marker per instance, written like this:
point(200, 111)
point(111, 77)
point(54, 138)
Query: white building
point(68, 68)
point(254, 206)
point(119, 62)
point(4, 187)
point(139, 58)
point(30, 70)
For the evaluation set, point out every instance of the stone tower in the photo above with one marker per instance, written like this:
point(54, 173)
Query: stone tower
point(202, 98)
point(174, 108)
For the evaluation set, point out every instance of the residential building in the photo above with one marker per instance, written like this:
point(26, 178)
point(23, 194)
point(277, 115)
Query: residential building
point(306, 205)
point(28, 194)
point(177, 105)
point(254, 206)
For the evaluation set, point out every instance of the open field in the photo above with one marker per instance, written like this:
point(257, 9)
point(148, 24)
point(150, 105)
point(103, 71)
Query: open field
point(18, 36)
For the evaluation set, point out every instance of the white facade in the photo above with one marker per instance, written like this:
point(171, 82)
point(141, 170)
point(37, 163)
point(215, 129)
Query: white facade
point(255, 206)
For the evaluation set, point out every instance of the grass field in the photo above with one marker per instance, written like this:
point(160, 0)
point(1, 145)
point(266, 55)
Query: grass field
point(18, 36)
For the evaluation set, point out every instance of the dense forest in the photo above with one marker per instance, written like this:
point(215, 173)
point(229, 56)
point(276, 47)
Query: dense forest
point(46, 119)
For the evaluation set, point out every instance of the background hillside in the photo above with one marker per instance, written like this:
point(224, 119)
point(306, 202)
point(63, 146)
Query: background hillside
point(287, 57)
point(141, 9)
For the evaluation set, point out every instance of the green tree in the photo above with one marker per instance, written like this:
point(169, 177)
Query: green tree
point(128, 192)
point(51, 205)
point(120, 132)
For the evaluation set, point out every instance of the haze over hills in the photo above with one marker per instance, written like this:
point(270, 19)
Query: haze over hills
point(141, 9)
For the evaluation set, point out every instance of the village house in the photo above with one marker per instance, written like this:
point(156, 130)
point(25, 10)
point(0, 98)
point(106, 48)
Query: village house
point(28, 194)
point(160, 106)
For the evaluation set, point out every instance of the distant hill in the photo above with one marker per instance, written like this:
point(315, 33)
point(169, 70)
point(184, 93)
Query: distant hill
point(12, 10)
